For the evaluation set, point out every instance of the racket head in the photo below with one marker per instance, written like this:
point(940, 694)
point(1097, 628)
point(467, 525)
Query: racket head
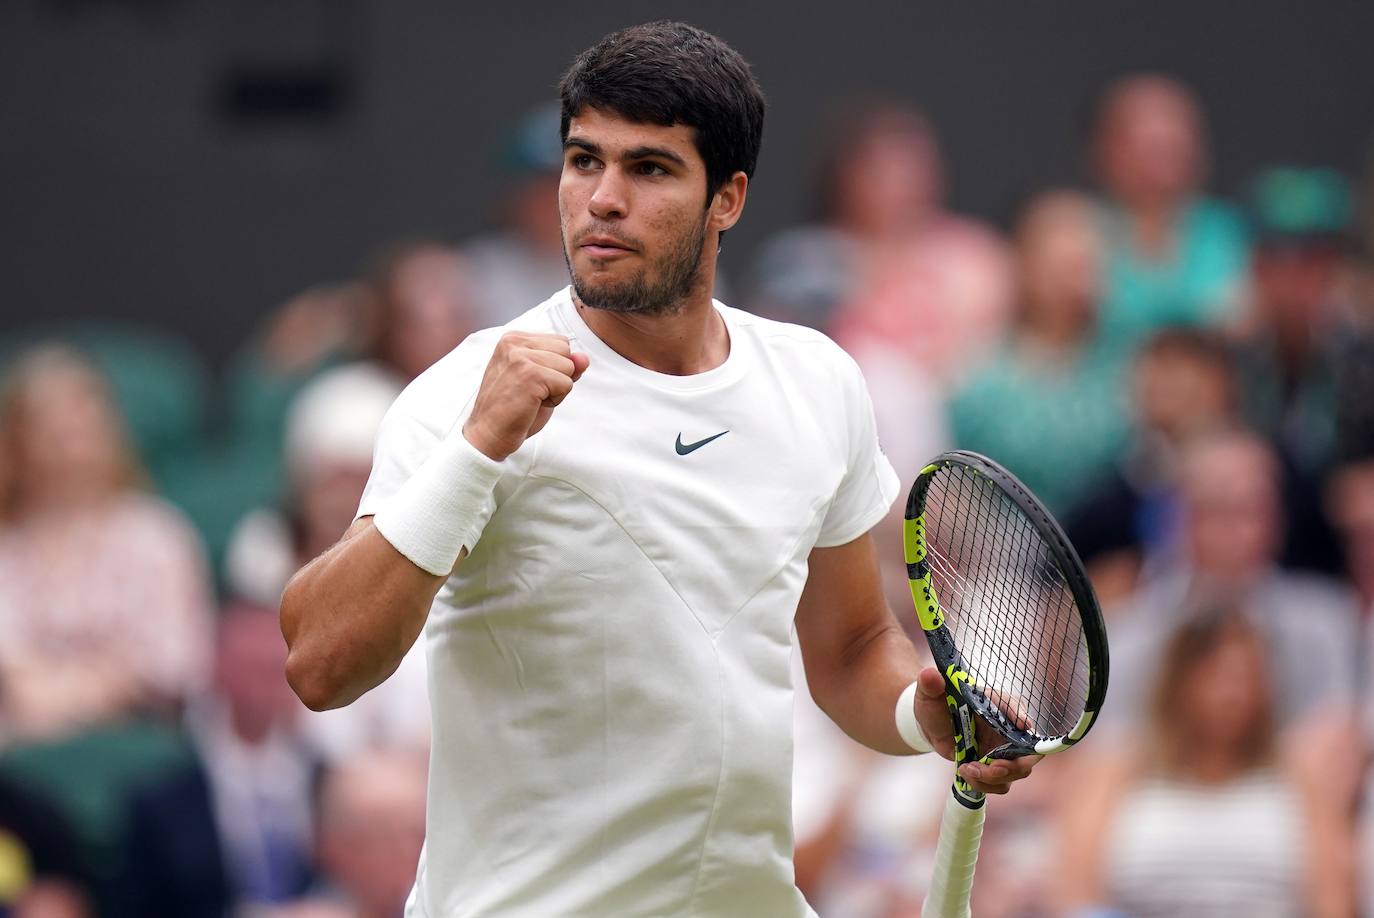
point(1005, 604)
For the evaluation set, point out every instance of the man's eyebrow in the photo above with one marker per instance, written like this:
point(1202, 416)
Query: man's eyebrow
point(654, 153)
point(629, 155)
point(584, 144)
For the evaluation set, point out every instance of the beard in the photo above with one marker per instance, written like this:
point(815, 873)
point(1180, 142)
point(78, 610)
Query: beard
point(659, 288)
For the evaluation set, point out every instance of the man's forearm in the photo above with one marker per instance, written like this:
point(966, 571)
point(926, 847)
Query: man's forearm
point(860, 689)
point(350, 616)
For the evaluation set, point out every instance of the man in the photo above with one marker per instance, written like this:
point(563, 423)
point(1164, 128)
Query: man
point(229, 826)
point(1302, 339)
point(371, 825)
point(1182, 386)
point(633, 482)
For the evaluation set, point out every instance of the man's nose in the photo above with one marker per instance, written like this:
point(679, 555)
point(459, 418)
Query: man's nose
point(611, 197)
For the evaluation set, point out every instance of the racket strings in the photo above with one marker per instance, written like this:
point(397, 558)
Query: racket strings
point(1044, 593)
point(981, 655)
point(1006, 602)
point(1056, 587)
point(972, 545)
point(1006, 679)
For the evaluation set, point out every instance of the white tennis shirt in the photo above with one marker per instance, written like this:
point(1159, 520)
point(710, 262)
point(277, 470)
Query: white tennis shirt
point(608, 667)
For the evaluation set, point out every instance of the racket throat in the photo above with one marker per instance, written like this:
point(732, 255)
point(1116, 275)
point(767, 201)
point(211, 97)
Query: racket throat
point(965, 750)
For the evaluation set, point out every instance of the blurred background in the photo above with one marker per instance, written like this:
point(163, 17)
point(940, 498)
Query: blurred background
point(1126, 249)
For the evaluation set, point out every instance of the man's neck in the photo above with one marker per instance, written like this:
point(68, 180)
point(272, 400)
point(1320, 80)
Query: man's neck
point(683, 343)
point(1054, 336)
point(1153, 225)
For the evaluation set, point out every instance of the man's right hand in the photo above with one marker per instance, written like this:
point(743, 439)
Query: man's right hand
point(526, 378)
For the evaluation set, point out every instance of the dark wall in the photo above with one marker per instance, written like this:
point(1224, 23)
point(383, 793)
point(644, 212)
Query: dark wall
point(193, 162)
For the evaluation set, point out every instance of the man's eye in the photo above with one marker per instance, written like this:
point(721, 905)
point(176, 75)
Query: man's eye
point(583, 161)
point(652, 169)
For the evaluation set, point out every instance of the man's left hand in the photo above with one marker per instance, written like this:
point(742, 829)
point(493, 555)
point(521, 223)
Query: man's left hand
point(932, 712)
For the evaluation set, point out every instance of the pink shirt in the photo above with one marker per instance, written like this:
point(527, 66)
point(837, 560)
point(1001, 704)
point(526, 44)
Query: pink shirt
point(942, 300)
point(101, 610)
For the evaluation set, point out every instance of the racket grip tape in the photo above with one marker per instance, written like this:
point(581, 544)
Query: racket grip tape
point(956, 854)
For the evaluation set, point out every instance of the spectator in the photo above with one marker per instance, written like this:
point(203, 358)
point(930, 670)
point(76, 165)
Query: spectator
point(329, 440)
point(414, 309)
point(104, 599)
point(910, 290)
point(232, 826)
point(1231, 528)
point(309, 331)
point(371, 829)
point(328, 454)
point(312, 331)
point(1350, 502)
point(887, 265)
point(1299, 342)
point(1174, 257)
point(425, 309)
point(1182, 385)
point(424, 301)
point(1049, 404)
point(421, 309)
point(1354, 379)
point(520, 265)
point(1276, 841)
point(40, 870)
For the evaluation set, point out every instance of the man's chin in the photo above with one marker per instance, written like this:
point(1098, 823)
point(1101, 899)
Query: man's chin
point(612, 304)
point(623, 297)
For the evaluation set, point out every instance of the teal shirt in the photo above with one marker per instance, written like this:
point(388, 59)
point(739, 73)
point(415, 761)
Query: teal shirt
point(1056, 427)
point(1199, 285)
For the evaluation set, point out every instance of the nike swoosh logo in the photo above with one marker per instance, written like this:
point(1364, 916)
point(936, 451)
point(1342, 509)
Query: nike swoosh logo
point(685, 448)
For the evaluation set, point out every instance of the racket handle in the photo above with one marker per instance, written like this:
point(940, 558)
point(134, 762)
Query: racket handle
point(956, 854)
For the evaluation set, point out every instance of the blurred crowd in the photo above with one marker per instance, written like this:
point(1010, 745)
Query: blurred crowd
point(1187, 381)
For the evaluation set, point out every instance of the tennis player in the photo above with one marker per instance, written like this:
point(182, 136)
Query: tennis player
point(609, 514)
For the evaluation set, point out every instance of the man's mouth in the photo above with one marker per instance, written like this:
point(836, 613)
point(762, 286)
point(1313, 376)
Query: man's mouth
point(604, 246)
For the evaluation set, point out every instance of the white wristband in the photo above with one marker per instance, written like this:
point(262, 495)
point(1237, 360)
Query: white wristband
point(907, 725)
point(444, 506)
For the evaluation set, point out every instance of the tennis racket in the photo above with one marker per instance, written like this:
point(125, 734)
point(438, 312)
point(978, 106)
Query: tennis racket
point(1013, 625)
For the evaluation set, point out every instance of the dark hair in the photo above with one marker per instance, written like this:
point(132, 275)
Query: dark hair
point(1198, 344)
point(672, 73)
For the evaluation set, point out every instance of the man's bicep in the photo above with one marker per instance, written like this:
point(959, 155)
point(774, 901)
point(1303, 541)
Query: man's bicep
point(842, 605)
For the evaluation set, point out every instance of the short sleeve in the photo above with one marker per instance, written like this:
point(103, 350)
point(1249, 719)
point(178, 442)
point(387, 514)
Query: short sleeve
point(431, 408)
point(403, 444)
point(870, 484)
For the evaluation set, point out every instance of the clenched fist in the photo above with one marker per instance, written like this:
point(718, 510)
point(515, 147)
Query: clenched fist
point(527, 377)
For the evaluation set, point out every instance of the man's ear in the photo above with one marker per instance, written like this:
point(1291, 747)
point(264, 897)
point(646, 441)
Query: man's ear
point(728, 203)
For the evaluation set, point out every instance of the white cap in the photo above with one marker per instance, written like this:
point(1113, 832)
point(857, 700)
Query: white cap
point(335, 418)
